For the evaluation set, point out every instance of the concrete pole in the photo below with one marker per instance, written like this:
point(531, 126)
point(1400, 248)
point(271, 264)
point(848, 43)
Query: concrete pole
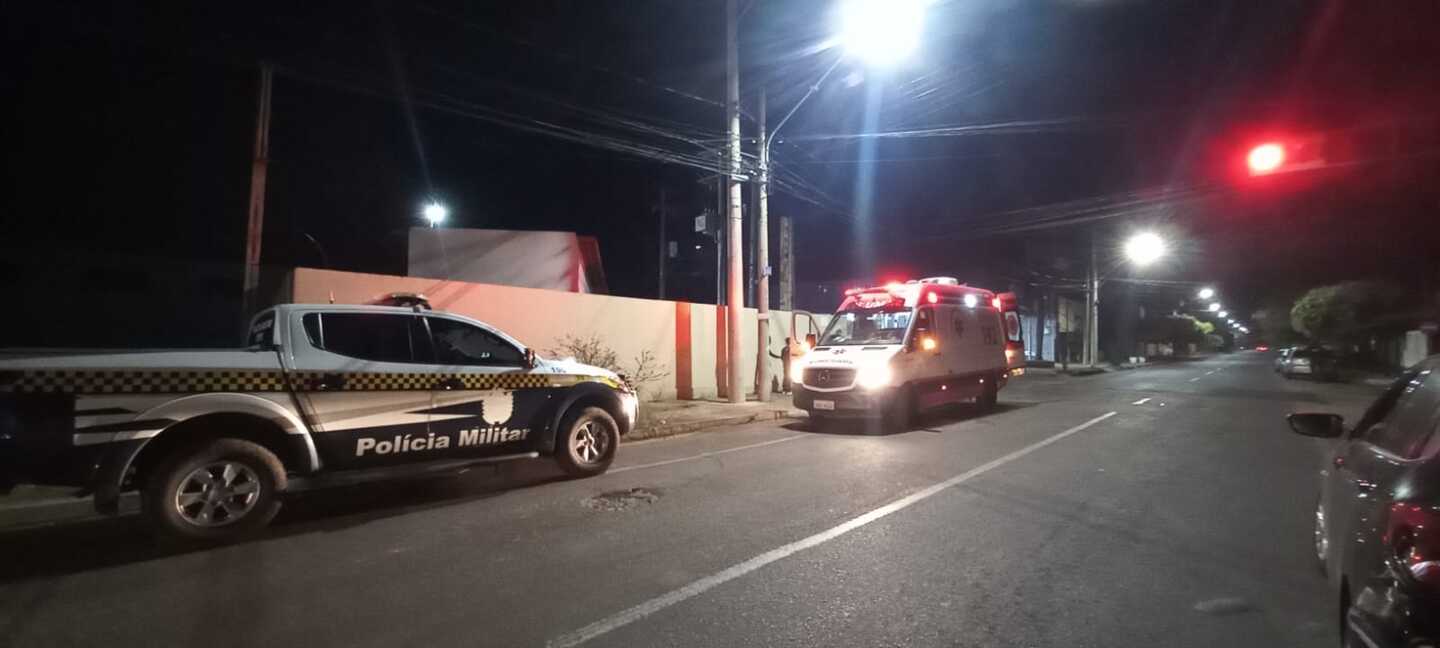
point(735, 292)
point(256, 218)
point(1092, 309)
point(787, 264)
point(762, 263)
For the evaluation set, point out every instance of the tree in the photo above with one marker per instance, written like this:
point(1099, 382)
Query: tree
point(1175, 329)
point(1342, 312)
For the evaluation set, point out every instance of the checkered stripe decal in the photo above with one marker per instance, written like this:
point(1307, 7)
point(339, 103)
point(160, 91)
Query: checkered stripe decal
point(141, 381)
point(164, 381)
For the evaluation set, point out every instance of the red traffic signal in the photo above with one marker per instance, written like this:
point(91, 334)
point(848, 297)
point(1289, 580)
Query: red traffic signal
point(1266, 158)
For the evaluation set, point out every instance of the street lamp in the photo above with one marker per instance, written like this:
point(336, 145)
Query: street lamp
point(1144, 248)
point(435, 213)
point(1214, 307)
point(881, 32)
point(1206, 293)
point(1223, 314)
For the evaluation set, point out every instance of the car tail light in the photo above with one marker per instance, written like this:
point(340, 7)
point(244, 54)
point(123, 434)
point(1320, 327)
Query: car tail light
point(1413, 536)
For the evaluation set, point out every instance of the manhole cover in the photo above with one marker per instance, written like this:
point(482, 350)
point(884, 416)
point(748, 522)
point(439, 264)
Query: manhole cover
point(622, 499)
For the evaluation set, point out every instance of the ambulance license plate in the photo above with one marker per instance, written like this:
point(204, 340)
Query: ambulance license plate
point(824, 404)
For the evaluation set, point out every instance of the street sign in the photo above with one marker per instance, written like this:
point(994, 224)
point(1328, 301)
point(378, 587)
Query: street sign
point(674, 249)
point(700, 223)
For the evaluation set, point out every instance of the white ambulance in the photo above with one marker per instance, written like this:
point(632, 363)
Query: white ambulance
point(895, 350)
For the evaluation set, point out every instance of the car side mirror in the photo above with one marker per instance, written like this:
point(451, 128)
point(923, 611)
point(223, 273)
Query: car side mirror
point(1315, 424)
point(529, 358)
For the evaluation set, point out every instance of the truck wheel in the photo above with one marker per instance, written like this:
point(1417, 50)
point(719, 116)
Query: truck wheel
point(899, 415)
point(214, 490)
point(588, 438)
point(989, 395)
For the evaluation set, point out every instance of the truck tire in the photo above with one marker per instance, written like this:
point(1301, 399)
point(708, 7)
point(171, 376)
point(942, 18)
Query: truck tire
point(899, 414)
point(588, 438)
point(989, 394)
point(214, 490)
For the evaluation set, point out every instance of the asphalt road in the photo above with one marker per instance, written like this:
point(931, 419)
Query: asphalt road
point(1167, 506)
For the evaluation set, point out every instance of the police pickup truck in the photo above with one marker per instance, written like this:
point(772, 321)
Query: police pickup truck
point(323, 394)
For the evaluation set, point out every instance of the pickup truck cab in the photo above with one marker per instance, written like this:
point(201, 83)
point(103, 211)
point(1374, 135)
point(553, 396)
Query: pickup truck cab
point(323, 394)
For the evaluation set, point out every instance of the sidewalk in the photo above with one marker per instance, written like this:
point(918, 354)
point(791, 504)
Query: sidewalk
point(669, 418)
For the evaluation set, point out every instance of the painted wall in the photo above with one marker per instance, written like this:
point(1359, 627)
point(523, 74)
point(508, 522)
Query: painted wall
point(686, 338)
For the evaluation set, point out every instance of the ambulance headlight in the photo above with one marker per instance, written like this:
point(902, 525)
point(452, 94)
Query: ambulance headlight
point(874, 377)
point(796, 367)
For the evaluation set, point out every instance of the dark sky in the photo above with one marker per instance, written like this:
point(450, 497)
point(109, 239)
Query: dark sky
point(130, 131)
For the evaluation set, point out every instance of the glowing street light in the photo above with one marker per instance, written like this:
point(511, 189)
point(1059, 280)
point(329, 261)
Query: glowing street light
point(1144, 248)
point(1265, 158)
point(1206, 293)
point(882, 32)
point(1214, 307)
point(1224, 314)
point(435, 213)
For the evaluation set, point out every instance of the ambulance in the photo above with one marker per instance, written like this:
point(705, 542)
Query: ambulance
point(893, 351)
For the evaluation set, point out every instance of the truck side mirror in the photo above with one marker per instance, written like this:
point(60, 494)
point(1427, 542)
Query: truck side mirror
point(1311, 424)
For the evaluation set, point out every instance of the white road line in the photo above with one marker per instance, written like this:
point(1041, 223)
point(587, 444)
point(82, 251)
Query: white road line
point(626, 617)
point(1195, 379)
point(1141, 401)
point(1210, 373)
point(704, 454)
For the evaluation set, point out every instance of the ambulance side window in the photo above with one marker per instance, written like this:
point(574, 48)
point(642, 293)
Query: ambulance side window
point(924, 323)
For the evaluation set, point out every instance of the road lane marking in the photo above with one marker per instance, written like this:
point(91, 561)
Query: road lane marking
point(704, 454)
point(638, 612)
point(1210, 373)
point(1195, 379)
point(1141, 401)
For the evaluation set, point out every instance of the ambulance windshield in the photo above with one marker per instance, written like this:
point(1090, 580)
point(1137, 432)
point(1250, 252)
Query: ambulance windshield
point(854, 326)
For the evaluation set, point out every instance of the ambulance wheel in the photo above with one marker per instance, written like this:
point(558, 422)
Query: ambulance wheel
point(989, 395)
point(213, 490)
point(587, 442)
point(899, 413)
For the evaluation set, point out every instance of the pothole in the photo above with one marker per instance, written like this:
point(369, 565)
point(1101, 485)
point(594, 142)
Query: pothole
point(622, 500)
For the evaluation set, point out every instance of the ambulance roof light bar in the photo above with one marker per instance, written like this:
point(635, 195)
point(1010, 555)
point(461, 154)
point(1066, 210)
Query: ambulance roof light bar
point(944, 281)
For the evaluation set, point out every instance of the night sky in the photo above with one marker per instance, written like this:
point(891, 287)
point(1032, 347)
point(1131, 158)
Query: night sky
point(130, 129)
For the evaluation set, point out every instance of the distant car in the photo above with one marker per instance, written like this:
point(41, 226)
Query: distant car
point(1281, 356)
point(1377, 516)
point(1309, 361)
point(1262, 348)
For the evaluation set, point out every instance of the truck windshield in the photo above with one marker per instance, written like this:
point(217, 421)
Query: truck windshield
point(884, 325)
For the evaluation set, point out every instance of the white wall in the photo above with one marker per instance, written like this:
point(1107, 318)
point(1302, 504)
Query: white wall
point(540, 318)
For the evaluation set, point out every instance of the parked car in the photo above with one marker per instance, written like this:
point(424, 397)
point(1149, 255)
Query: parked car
point(1377, 515)
point(1314, 362)
point(324, 394)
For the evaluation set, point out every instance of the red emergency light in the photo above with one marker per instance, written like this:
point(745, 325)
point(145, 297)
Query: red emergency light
point(1266, 158)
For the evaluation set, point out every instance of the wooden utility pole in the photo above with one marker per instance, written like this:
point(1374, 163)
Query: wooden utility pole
point(664, 244)
point(257, 196)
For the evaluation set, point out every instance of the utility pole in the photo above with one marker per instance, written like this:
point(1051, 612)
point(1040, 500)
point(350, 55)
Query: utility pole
point(734, 226)
point(787, 261)
point(1092, 309)
point(762, 262)
point(664, 245)
point(257, 196)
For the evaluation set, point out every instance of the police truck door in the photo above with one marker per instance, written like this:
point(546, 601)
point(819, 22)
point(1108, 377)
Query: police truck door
point(486, 400)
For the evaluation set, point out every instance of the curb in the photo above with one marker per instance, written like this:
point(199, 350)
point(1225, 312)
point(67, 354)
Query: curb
point(663, 430)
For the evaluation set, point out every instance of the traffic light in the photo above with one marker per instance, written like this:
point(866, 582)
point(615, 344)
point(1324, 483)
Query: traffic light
point(1265, 158)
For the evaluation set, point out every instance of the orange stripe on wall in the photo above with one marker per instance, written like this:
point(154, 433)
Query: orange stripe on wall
point(684, 381)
